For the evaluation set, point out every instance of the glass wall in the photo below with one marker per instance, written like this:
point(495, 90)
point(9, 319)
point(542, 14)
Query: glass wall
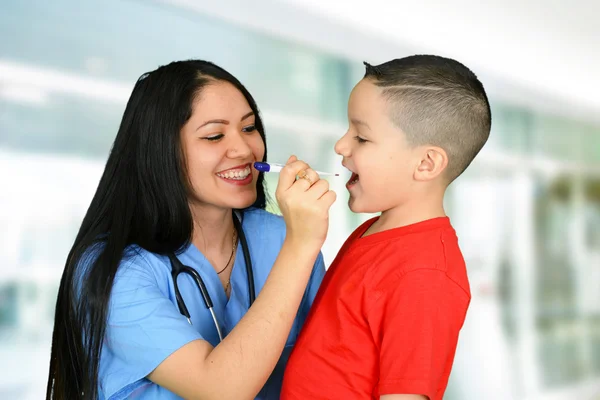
point(527, 212)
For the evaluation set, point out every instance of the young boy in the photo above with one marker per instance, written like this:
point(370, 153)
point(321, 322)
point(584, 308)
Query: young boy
point(386, 320)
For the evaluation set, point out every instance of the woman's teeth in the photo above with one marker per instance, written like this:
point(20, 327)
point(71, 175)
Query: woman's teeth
point(237, 174)
point(353, 179)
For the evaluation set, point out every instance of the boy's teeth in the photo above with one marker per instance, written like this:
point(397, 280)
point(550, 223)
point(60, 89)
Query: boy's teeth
point(236, 174)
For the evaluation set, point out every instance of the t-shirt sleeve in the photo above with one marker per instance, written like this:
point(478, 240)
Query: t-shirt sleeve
point(415, 325)
point(143, 328)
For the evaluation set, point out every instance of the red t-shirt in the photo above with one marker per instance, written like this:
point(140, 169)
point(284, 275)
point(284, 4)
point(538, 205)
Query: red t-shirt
point(386, 318)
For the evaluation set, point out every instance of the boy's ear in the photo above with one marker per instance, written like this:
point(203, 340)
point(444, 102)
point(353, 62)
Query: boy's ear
point(433, 162)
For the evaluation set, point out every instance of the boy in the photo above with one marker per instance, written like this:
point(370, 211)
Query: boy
point(386, 319)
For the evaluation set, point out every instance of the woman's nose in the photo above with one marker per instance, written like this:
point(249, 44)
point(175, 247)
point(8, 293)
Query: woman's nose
point(239, 147)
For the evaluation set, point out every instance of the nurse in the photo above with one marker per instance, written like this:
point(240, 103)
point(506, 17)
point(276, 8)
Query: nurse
point(179, 172)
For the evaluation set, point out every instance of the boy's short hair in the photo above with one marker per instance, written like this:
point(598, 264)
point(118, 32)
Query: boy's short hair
point(437, 101)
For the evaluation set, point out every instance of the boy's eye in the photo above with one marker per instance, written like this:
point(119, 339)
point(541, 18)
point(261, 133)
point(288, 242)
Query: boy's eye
point(249, 128)
point(359, 139)
point(214, 138)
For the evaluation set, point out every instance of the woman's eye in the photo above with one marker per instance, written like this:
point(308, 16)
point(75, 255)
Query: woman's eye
point(359, 139)
point(214, 138)
point(249, 128)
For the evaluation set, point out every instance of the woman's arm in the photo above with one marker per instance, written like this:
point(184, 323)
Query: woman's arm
point(239, 366)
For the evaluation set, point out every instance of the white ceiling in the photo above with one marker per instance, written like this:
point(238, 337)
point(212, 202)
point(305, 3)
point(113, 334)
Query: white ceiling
point(549, 49)
point(543, 54)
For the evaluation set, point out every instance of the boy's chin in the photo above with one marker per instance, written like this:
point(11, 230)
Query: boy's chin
point(361, 207)
point(352, 207)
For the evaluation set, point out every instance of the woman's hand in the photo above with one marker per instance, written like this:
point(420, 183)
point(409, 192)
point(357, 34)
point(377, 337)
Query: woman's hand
point(304, 201)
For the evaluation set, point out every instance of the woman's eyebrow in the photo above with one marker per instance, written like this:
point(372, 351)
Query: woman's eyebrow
point(223, 121)
point(213, 121)
point(251, 113)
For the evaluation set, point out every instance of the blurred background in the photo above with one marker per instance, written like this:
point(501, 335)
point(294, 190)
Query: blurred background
point(527, 212)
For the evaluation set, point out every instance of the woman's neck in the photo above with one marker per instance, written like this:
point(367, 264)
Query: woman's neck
point(213, 230)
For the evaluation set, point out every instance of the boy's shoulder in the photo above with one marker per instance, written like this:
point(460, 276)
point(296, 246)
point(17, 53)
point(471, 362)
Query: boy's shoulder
point(391, 255)
point(434, 256)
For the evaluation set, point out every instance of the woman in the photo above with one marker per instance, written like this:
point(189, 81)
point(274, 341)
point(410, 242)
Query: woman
point(178, 181)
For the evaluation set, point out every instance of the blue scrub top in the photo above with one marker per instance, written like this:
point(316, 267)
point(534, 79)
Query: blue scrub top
point(145, 326)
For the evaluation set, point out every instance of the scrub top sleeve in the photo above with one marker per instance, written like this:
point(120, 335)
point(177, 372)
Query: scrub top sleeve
point(312, 288)
point(144, 327)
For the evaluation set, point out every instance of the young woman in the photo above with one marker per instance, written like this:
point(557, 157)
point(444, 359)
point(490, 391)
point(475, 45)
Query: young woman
point(179, 193)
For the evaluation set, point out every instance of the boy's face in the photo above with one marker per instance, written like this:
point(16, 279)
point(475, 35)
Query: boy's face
point(376, 152)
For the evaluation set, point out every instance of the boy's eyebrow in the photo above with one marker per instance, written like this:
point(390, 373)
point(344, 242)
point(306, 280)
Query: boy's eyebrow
point(360, 122)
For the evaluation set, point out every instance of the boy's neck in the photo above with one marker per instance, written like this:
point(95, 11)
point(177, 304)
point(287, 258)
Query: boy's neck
point(406, 214)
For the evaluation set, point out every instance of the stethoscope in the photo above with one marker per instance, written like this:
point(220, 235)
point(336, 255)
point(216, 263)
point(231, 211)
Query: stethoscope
point(177, 268)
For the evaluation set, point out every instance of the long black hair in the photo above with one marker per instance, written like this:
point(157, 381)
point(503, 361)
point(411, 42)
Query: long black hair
point(142, 199)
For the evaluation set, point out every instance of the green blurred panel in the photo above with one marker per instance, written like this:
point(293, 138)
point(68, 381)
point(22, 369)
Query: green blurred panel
point(557, 138)
point(8, 298)
point(566, 279)
point(591, 144)
point(511, 128)
point(561, 359)
point(100, 39)
point(555, 266)
point(595, 344)
point(295, 81)
point(63, 125)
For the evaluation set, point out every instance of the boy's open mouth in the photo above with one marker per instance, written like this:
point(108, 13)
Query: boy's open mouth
point(353, 179)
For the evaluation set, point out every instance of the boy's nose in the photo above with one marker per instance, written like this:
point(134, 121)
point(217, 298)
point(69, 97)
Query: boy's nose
point(341, 148)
